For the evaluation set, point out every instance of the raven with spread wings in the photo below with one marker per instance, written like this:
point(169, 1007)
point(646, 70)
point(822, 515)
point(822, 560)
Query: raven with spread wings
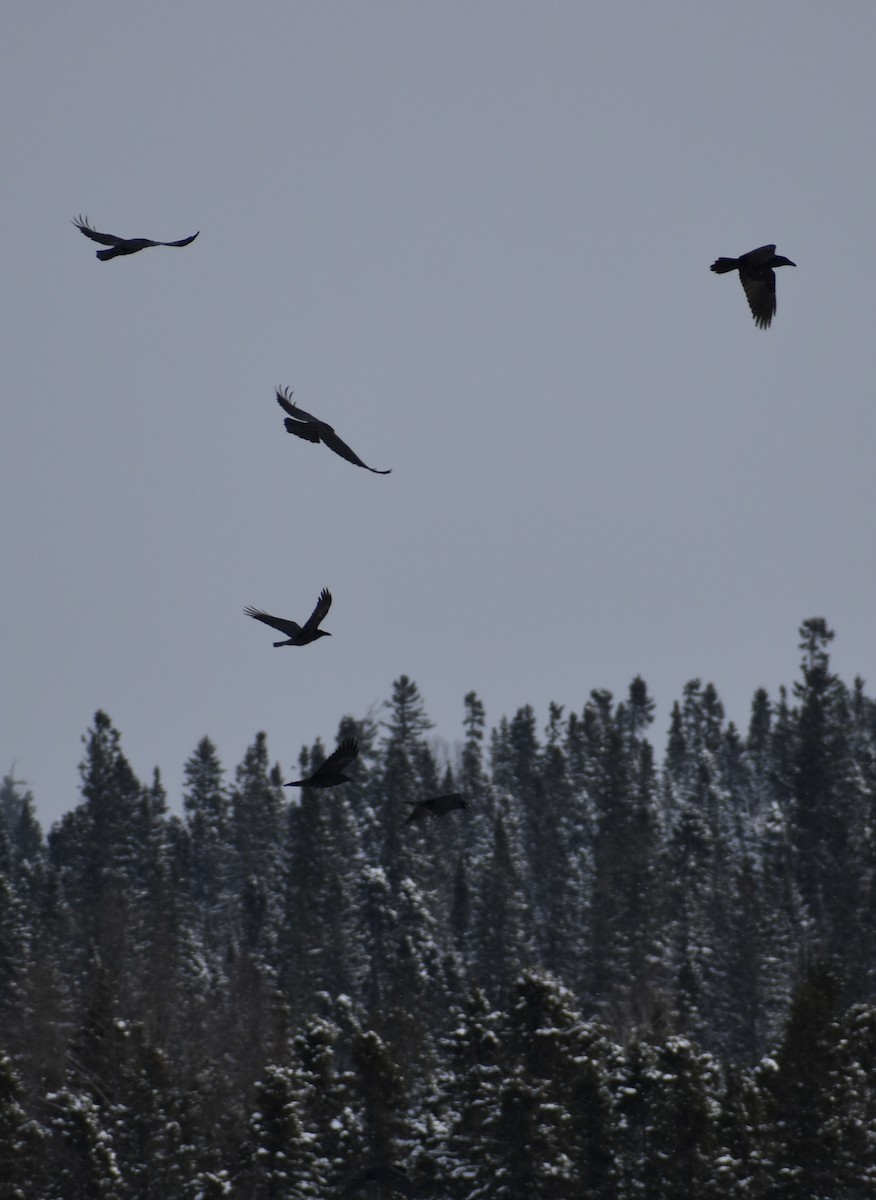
point(306, 426)
point(120, 245)
point(331, 772)
point(297, 635)
point(757, 278)
point(435, 806)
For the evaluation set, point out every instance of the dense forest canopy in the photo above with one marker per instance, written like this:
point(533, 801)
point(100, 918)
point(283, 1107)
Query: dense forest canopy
point(608, 977)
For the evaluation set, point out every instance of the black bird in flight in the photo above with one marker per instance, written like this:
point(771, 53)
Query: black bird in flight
point(435, 806)
point(331, 772)
point(297, 635)
point(303, 425)
point(757, 277)
point(120, 245)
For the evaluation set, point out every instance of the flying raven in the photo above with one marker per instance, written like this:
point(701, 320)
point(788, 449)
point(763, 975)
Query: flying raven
point(435, 806)
point(122, 245)
point(331, 772)
point(757, 277)
point(298, 635)
point(303, 425)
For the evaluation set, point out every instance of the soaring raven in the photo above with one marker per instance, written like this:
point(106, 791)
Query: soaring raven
point(331, 772)
point(435, 806)
point(122, 245)
point(757, 277)
point(303, 425)
point(297, 635)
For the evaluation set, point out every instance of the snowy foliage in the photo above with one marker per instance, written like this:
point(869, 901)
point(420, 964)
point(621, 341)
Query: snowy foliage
point(609, 977)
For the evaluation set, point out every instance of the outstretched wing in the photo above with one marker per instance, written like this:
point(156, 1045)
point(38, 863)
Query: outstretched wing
point(339, 759)
point(284, 399)
point(323, 604)
point(290, 628)
point(760, 291)
point(327, 773)
point(105, 239)
point(182, 241)
point(759, 281)
point(333, 442)
point(299, 422)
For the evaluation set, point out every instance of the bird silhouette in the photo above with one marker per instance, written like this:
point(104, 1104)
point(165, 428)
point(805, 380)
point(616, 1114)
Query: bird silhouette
point(331, 772)
point(122, 245)
point(435, 806)
point(306, 426)
point(298, 635)
point(757, 278)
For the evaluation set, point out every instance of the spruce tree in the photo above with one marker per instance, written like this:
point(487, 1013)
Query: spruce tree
point(472, 776)
point(22, 1140)
point(207, 810)
point(822, 792)
point(279, 1160)
point(810, 1112)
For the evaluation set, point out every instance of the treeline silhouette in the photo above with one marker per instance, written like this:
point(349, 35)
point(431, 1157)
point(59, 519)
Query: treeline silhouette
point(606, 978)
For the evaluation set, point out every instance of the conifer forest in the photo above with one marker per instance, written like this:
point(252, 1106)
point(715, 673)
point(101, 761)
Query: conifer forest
point(618, 973)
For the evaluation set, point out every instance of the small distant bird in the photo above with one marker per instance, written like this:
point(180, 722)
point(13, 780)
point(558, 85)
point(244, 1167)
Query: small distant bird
point(756, 276)
point(303, 425)
point(331, 772)
point(435, 806)
point(379, 1179)
point(298, 635)
point(122, 245)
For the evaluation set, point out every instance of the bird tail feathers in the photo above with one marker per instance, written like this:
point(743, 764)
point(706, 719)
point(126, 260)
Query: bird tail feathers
point(722, 265)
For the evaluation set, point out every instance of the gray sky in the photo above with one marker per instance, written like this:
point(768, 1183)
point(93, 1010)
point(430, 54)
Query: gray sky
point(475, 237)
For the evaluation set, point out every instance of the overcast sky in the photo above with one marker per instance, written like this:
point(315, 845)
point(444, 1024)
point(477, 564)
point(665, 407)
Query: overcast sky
point(476, 238)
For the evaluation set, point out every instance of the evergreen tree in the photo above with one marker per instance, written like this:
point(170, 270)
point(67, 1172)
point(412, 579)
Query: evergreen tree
point(815, 1123)
point(501, 935)
point(552, 842)
point(620, 782)
point(465, 1098)
point(667, 1120)
point(549, 1133)
point(13, 931)
point(27, 847)
point(83, 1159)
point(280, 1161)
point(472, 777)
point(206, 805)
point(381, 1100)
point(322, 1083)
point(21, 1139)
point(409, 772)
point(256, 812)
point(822, 791)
point(95, 848)
point(318, 949)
